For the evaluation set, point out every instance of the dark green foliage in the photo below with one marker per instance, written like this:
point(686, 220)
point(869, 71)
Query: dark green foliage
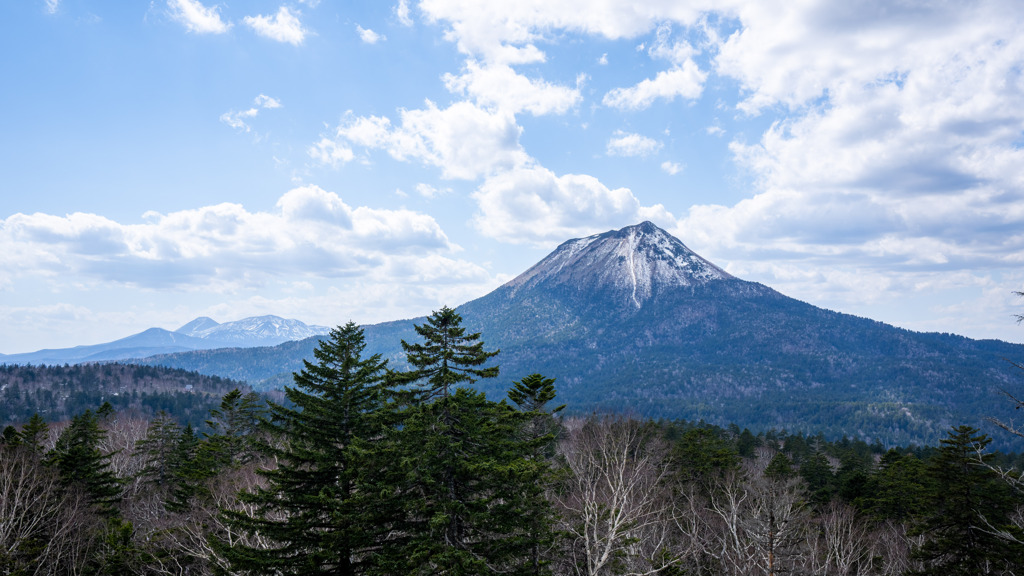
point(161, 447)
point(467, 490)
point(532, 394)
point(315, 506)
point(10, 436)
point(81, 464)
point(966, 505)
point(446, 358)
point(898, 489)
point(470, 494)
point(235, 429)
point(702, 455)
point(780, 468)
point(821, 481)
point(34, 433)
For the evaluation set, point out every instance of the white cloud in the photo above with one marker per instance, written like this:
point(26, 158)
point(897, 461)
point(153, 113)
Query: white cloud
point(264, 101)
point(672, 168)
point(198, 18)
point(507, 32)
point(237, 119)
point(402, 13)
point(282, 27)
point(603, 60)
point(532, 205)
point(686, 81)
point(428, 191)
point(501, 87)
point(369, 36)
point(312, 233)
point(465, 141)
point(52, 6)
point(627, 144)
point(912, 159)
point(328, 151)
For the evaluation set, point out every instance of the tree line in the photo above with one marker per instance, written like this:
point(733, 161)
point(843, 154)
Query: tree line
point(362, 469)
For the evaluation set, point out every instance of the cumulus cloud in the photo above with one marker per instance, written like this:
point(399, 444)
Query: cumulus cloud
point(686, 81)
point(369, 36)
point(901, 149)
point(402, 13)
point(533, 205)
point(196, 17)
point(508, 33)
point(501, 87)
point(626, 144)
point(463, 140)
point(311, 233)
point(52, 6)
point(671, 168)
point(428, 191)
point(282, 27)
point(237, 119)
point(330, 152)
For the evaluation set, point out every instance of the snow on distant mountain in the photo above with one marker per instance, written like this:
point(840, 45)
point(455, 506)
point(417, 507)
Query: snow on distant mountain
point(198, 325)
point(200, 334)
point(638, 260)
point(254, 331)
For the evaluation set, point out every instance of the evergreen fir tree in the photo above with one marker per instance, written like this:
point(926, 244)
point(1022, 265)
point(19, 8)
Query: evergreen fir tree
point(460, 488)
point(314, 507)
point(33, 434)
point(965, 509)
point(81, 464)
point(235, 426)
point(446, 358)
point(898, 488)
point(160, 450)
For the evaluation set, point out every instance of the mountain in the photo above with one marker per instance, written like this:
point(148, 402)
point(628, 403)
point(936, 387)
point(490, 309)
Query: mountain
point(634, 321)
point(200, 334)
point(255, 331)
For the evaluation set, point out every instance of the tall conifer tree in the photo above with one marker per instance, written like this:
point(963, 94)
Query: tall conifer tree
point(965, 509)
point(313, 507)
point(81, 464)
point(465, 484)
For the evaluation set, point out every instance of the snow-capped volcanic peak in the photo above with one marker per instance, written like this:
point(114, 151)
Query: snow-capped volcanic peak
point(257, 330)
point(638, 260)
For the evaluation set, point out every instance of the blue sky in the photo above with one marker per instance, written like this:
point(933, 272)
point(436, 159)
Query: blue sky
point(329, 161)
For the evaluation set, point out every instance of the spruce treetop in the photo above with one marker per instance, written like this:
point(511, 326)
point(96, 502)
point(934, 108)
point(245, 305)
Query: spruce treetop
point(447, 357)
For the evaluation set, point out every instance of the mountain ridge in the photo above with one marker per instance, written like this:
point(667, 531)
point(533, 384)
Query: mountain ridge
point(202, 333)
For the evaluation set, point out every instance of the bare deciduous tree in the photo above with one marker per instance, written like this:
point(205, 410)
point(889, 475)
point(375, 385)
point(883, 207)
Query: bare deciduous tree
point(616, 505)
point(44, 529)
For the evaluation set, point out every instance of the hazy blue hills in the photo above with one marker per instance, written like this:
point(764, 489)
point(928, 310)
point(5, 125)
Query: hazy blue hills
point(199, 334)
point(633, 321)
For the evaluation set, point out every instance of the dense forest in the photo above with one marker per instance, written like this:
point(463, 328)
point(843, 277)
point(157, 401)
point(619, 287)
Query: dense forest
point(363, 469)
point(59, 392)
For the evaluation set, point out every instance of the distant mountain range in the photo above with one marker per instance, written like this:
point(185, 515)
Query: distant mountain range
point(200, 334)
point(634, 321)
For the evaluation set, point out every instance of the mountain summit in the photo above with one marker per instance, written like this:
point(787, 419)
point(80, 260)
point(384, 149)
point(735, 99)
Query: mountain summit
point(253, 331)
point(637, 260)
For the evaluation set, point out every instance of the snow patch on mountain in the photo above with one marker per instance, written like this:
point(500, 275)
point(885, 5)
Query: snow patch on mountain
point(637, 260)
point(257, 330)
